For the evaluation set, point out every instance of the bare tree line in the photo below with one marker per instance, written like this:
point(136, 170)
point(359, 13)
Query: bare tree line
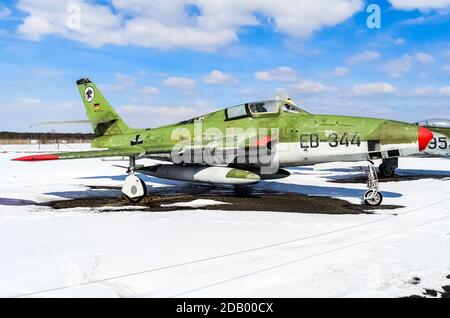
point(8, 137)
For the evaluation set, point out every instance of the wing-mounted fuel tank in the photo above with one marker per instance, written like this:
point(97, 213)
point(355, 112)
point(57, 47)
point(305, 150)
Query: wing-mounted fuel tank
point(218, 175)
point(279, 174)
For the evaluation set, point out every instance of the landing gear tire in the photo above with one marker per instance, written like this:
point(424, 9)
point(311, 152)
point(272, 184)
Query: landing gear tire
point(134, 189)
point(386, 171)
point(373, 197)
point(387, 167)
point(139, 199)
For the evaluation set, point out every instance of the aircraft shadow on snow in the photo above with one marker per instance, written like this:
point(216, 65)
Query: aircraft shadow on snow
point(334, 191)
point(274, 186)
point(325, 191)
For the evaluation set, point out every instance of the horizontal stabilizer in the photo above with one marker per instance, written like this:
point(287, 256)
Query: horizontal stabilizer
point(70, 122)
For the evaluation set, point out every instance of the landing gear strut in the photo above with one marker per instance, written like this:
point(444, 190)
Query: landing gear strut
point(372, 196)
point(387, 168)
point(134, 188)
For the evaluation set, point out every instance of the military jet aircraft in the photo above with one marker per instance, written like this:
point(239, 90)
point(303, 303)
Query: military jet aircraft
point(242, 144)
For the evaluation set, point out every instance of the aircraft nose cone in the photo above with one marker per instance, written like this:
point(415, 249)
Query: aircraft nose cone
point(425, 137)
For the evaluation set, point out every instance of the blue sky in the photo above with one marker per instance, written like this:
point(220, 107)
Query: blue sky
point(163, 61)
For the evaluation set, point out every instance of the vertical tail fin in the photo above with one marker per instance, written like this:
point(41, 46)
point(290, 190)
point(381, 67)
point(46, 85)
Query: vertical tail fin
point(104, 119)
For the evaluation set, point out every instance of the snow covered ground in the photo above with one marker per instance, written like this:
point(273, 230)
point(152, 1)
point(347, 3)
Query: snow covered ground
point(198, 253)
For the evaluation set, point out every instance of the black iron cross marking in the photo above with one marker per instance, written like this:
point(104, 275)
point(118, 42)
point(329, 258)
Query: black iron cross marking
point(137, 141)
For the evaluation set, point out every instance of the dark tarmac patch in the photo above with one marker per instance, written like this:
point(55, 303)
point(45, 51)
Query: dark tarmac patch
point(434, 293)
point(396, 178)
point(258, 201)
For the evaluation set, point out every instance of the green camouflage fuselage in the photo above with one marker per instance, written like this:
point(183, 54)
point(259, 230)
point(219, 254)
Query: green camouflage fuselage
point(303, 138)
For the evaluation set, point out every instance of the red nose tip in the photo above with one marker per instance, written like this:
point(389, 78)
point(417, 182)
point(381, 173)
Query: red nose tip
point(425, 137)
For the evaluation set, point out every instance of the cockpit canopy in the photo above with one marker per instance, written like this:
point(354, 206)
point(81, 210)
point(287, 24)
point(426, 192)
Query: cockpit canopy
point(262, 107)
point(435, 123)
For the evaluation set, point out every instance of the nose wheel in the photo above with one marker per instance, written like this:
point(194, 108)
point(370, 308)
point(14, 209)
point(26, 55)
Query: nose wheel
point(134, 188)
point(373, 196)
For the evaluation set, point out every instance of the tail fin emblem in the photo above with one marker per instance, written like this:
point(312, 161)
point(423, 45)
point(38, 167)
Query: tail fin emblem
point(89, 94)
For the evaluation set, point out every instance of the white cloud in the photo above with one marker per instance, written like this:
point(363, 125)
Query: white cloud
point(168, 25)
point(124, 82)
point(419, 4)
point(424, 58)
point(365, 56)
point(151, 115)
point(4, 12)
point(309, 87)
point(399, 41)
point(447, 69)
point(414, 21)
point(429, 91)
point(150, 90)
point(180, 82)
point(169, 111)
point(281, 74)
point(374, 88)
point(340, 71)
point(281, 93)
point(217, 77)
point(121, 83)
point(423, 91)
point(399, 66)
point(45, 72)
point(445, 90)
point(27, 102)
point(36, 104)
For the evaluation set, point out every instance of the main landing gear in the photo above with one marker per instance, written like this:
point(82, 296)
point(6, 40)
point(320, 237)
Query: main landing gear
point(134, 188)
point(387, 168)
point(372, 196)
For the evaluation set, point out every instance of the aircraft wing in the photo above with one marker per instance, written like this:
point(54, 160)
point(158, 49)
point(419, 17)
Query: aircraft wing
point(138, 151)
point(219, 145)
point(131, 151)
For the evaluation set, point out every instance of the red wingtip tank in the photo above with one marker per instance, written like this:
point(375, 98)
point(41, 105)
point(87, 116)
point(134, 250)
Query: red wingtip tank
point(37, 158)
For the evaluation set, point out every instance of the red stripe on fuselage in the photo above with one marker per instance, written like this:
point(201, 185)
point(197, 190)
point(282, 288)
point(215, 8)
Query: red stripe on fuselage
point(264, 141)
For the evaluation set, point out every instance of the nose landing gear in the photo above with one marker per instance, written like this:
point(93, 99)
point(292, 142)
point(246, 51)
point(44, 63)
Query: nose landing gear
point(373, 196)
point(134, 188)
